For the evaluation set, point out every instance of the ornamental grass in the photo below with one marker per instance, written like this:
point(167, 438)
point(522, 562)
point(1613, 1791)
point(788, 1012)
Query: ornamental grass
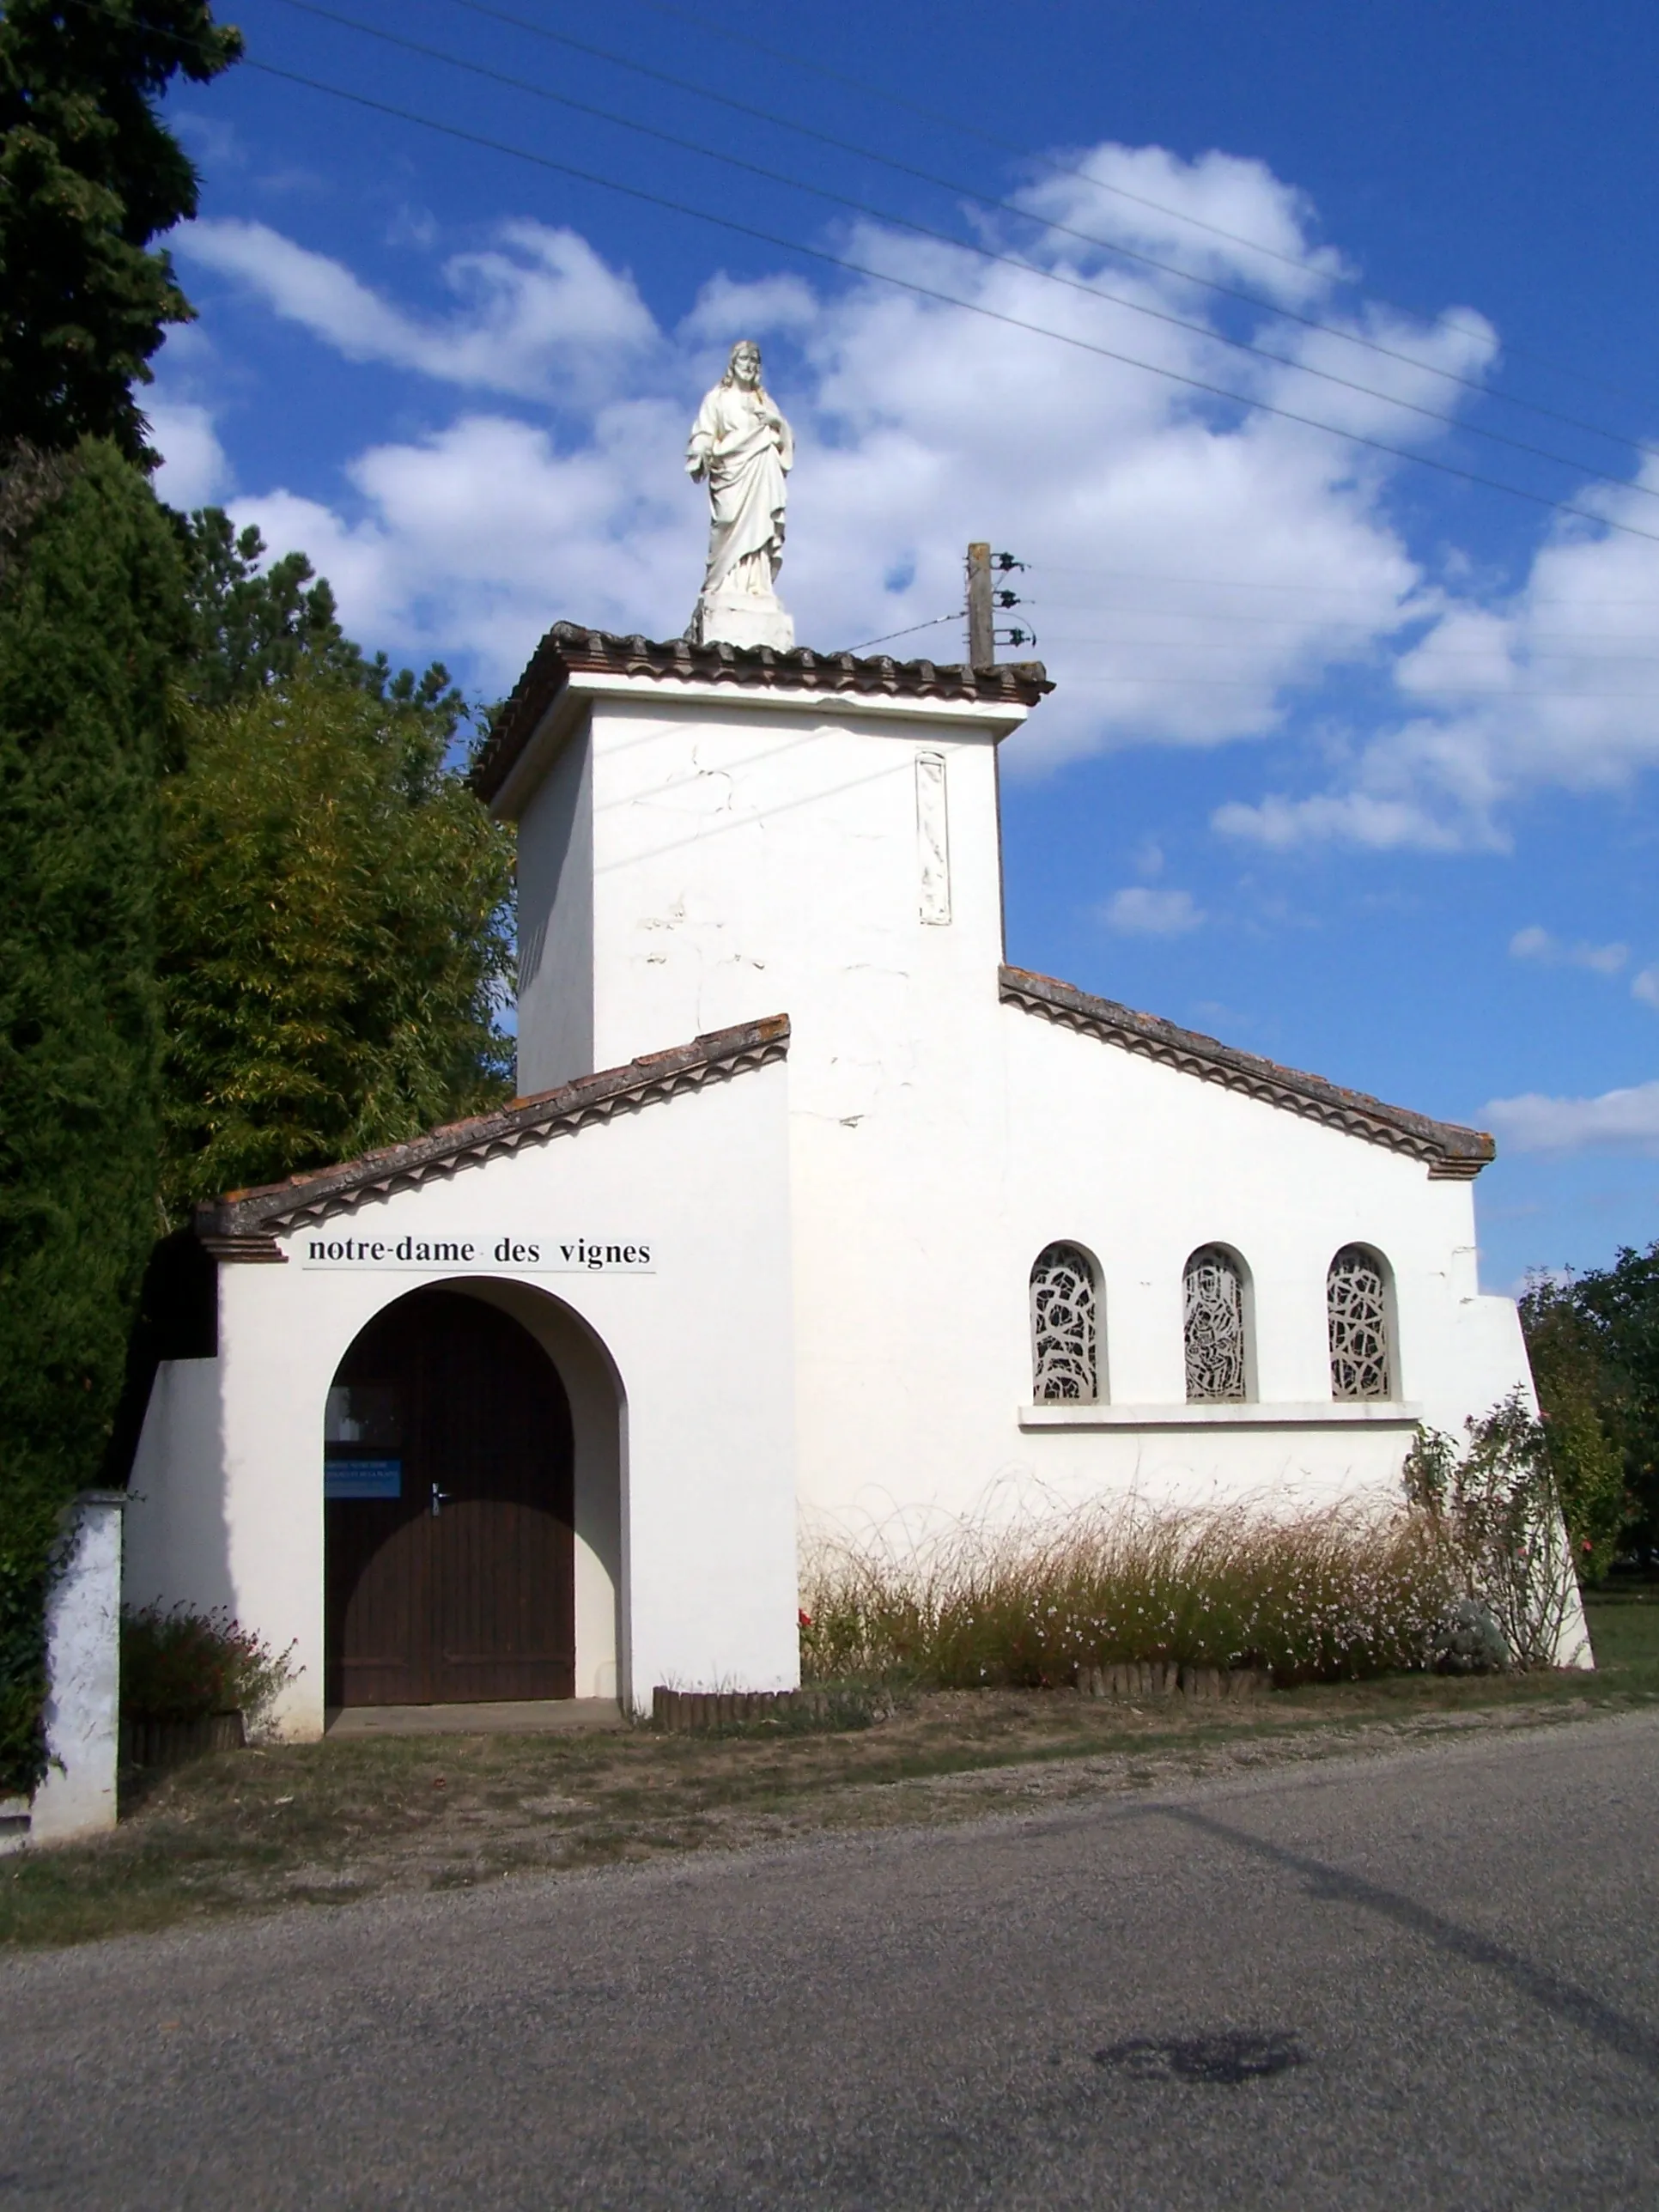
point(1329, 1595)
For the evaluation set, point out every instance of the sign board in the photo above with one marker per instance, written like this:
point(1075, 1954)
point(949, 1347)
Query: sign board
point(484, 1252)
point(362, 1478)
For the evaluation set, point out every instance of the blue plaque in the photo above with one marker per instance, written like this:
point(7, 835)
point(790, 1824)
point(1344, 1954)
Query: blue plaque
point(362, 1478)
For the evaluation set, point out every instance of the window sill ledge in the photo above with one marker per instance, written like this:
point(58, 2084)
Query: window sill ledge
point(1331, 1414)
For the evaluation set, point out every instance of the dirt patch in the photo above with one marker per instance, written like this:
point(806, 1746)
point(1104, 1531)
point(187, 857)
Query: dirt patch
point(327, 1824)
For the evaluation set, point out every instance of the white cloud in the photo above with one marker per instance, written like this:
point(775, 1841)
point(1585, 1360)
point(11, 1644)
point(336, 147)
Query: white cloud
point(1139, 911)
point(1145, 507)
point(1532, 944)
point(538, 311)
point(1535, 943)
point(1379, 822)
point(725, 310)
point(477, 537)
point(1140, 192)
point(920, 425)
point(194, 467)
point(1569, 678)
point(1619, 1121)
point(1645, 986)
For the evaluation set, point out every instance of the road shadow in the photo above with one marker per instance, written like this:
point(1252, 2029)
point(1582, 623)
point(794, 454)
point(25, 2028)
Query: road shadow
point(1616, 2031)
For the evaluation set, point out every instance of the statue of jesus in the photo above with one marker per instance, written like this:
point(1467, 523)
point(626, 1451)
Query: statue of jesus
point(742, 448)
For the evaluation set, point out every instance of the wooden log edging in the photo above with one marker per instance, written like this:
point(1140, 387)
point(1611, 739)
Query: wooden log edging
point(1163, 1677)
point(686, 1711)
point(146, 1741)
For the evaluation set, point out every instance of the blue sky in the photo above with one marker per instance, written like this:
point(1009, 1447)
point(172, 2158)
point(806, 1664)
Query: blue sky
point(1351, 761)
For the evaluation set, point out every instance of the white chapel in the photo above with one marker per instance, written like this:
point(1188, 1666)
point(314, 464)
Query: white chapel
point(812, 1214)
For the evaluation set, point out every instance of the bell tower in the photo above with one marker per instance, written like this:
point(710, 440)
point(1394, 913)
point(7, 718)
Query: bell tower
point(708, 835)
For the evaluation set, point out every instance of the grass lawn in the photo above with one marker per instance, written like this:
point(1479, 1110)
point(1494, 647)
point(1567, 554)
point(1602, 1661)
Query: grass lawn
point(1625, 1630)
point(325, 1824)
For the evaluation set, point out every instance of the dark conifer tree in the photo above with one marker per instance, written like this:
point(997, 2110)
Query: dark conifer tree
point(92, 623)
point(89, 176)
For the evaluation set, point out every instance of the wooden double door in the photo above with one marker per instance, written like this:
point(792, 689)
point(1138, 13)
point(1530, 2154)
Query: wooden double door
point(447, 1508)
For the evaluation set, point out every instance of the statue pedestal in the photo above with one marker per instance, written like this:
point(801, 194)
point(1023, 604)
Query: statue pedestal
point(743, 618)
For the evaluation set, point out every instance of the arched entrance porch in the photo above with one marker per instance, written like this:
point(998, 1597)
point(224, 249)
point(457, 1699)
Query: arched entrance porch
point(450, 1510)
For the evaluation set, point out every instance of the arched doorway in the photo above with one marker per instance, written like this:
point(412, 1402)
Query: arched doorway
point(447, 1503)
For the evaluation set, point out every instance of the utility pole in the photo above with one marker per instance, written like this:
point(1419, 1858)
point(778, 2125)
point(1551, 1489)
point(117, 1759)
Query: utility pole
point(981, 622)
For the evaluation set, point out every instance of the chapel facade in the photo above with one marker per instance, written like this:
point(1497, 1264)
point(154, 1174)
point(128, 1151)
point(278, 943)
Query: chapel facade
point(813, 1215)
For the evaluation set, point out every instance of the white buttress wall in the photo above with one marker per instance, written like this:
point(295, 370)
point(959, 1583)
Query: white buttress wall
point(84, 1670)
point(555, 936)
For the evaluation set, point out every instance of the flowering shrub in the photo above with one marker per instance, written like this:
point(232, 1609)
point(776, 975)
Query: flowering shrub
point(1496, 1517)
point(181, 1665)
point(1325, 1595)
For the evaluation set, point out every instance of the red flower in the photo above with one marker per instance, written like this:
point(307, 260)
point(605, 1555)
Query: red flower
point(802, 1620)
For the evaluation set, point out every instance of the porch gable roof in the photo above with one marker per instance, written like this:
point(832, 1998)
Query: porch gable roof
point(244, 1224)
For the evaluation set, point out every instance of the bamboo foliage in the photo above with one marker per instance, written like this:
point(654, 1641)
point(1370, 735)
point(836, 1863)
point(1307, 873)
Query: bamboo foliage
point(335, 937)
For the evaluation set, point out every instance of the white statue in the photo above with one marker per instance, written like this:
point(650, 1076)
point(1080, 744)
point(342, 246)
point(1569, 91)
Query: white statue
point(742, 448)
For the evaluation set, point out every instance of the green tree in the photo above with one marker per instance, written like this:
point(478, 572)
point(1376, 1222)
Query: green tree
point(92, 620)
point(1622, 1304)
point(252, 625)
point(336, 935)
point(256, 622)
point(89, 176)
point(1579, 1390)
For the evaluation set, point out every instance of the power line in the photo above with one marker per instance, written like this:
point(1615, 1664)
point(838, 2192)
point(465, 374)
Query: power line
point(956, 614)
point(1269, 682)
point(1323, 623)
point(866, 90)
point(946, 299)
point(1066, 230)
point(1419, 654)
point(1309, 591)
point(961, 246)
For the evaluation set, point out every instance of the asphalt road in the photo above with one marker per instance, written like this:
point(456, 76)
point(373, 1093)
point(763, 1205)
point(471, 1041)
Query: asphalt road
point(1431, 1979)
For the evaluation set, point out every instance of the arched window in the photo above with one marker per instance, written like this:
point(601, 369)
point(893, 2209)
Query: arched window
point(1065, 1355)
point(1357, 1304)
point(1213, 1284)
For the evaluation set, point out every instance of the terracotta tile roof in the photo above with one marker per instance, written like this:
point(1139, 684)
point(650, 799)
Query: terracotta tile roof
point(569, 650)
point(244, 1224)
point(1449, 1151)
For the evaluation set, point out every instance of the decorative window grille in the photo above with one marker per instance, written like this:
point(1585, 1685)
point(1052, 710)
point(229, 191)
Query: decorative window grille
point(1356, 1300)
point(1064, 1359)
point(1215, 1325)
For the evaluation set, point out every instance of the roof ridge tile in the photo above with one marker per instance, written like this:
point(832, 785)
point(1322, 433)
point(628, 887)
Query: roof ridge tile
point(570, 649)
point(244, 1224)
point(1450, 1151)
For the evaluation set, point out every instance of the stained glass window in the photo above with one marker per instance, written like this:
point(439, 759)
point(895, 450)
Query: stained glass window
point(1356, 1300)
point(1214, 1288)
point(1064, 1357)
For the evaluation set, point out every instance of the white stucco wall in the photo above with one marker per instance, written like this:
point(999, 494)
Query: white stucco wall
point(917, 1236)
point(752, 852)
point(837, 1321)
point(680, 1381)
point(747, 863)
point(83, 1669)
point(555, 940)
